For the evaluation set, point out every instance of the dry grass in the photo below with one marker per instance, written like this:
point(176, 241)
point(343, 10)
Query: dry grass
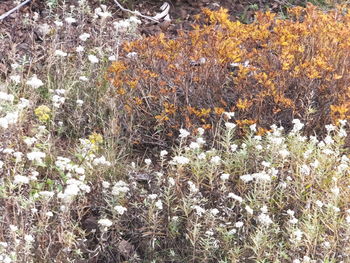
point(72, 190)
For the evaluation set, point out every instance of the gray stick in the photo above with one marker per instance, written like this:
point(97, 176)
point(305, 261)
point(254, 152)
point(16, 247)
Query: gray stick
point(14, 9)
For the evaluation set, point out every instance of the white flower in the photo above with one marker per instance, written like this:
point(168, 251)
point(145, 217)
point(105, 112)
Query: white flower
point(224, 177)
point(148, 161)
point(47, 194)
point(200, 140)
point(253, 127)
point(232, 231)
point(297, 125)
point(105, 222)
point(214, 211)
point(258, 147)
point(36, 156)
point(264, 219)
point(152, 196)
point(16, 78)
point(70, 20)
point(199, 210)
point(58, 23)
point(305, 169)
point(262, 176)
point(102, 12)
point(319, 203)
point(35, 82)
point(215, 160)
point(194, 145)
point(163, 153)
point(58, 100)
point(298, 234)
point(235, 197)
point(342, 133)
point(18, 156)
point(201, 156)
point(230, 125)
point(335, 190)
point(193, 187)
point(131, 55)
point(112, 58)
point(49, 214)
point(79, 102)
point(246, 178)
point(23, 103)
point(239, 224)
point(264, 209)
point(6, 97)
point(293, 221)
point(183, 133)
point(120, 209)
point(80, 170)
point(93, 59)
point(60, 53)
point(328, 140)
point(1, 164)
point(29, 238)
point(106, 184)
point(70, 191)
point(85, 36)
point(171, 181)
point(101, 161)
point(120, 187)
point(181, 160)
point(83, 78)
point(265, 164)
point(290, 212)
point(79, 49)
point(233, 147)
point(13, 228)
point(284, 153)
point(229, 114)
point(330, 127)
point(200, 131)
point(159, 204)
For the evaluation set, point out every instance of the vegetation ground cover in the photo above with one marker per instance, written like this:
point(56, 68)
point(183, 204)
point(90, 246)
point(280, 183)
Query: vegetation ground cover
point(224, 143)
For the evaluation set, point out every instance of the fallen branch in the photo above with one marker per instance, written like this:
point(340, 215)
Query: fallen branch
point(165, 7)
point(14, 9)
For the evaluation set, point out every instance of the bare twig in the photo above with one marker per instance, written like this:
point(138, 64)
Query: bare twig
point(165, 8)
point(14, 9)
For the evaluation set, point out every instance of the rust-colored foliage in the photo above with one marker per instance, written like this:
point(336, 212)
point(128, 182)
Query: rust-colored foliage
point(271, 71)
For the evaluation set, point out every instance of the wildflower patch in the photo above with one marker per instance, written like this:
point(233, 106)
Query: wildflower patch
point(270, 71)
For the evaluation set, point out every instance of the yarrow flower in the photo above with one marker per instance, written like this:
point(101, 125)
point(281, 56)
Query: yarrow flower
point(105, 222)
point(70, 20)
point(85, 36)
point(183, 133)
point(36, 156)
point(35, 82)
point(20, 179)
point(180, 160)
point(93, 59)
point(60, 53)
point(120, 209)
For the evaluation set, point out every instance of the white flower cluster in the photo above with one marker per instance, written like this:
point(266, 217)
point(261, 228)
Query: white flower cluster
point(58, 99)
point(127, 25)
point(102, 12)
point(11, 117)
point(119, 188)
point(73, 188)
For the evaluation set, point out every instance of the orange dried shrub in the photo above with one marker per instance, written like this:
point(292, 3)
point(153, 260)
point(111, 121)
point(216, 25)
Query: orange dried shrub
point(271, 71)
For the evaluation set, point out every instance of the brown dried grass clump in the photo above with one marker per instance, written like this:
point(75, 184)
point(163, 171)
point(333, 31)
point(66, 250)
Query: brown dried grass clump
point(270, 71)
